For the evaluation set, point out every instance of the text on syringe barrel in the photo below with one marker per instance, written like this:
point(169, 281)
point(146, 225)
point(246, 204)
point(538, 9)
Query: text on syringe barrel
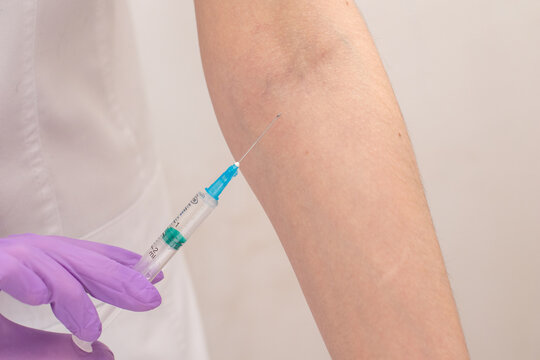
point(176, 234)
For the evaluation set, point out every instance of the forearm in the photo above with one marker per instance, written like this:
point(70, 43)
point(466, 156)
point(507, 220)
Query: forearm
point(336, 176)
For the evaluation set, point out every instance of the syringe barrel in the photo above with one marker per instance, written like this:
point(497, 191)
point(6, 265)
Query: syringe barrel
point(176, 234)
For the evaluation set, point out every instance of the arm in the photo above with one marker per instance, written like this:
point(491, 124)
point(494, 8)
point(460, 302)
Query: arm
point(337, 175)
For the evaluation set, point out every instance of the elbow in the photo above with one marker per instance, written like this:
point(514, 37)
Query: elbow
point(273, 71)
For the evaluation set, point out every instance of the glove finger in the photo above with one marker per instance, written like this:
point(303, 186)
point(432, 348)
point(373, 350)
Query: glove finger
point(123, 256)
point(21, 282)
point(99, 352)
point(69, 301)
point(118, 254)
point(158, 277)
point(108, 280)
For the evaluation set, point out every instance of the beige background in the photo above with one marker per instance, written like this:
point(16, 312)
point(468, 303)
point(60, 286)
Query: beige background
point(466, 74)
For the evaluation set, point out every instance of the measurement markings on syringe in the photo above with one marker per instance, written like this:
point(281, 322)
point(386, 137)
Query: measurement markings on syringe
point(194, 201)
point(153, 250)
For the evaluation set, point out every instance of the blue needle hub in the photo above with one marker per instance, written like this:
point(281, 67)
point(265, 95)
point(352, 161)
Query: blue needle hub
point(217, 187)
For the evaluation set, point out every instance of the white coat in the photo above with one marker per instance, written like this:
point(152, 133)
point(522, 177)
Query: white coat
point(76, 158)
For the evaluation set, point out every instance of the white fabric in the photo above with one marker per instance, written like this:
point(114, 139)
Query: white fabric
point(76, 158)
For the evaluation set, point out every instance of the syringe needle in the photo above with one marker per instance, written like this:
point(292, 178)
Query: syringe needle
point(259, 138)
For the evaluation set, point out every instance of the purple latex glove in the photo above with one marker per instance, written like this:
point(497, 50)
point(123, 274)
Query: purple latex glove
point(22, 343)
point(61, 271)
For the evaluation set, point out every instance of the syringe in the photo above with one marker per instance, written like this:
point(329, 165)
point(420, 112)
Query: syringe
point(182, 227)
point(189, 219)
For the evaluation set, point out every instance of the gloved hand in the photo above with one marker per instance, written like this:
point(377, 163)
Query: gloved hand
point(61, 271)
point(22, 343)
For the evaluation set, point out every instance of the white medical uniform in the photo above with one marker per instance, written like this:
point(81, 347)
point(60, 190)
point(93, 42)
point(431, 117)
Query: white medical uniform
point(76, 158)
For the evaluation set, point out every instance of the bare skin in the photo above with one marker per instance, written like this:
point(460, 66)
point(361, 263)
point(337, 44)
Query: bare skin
point(337, 175)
